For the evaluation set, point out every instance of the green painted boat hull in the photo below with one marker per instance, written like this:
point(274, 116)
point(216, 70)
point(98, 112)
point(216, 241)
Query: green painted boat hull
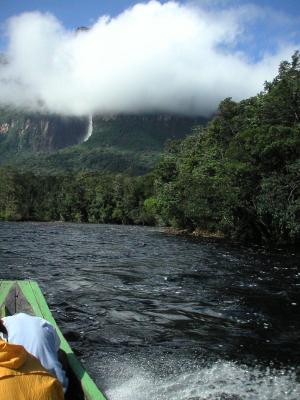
point(26, 296)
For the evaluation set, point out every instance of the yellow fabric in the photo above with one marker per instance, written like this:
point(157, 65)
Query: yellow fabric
point(22, 376)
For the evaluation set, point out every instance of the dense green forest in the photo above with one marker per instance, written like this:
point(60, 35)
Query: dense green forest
point(240, 176)
point(50, 144)
point(81, 197)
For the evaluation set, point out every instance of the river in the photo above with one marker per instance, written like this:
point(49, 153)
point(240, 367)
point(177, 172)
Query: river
point(160, 317)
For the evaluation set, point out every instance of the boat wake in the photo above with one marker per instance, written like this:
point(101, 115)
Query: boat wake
point(172, 320)
point(220, 381)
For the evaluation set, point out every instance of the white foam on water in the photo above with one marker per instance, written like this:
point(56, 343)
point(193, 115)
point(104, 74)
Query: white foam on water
point(220, 381)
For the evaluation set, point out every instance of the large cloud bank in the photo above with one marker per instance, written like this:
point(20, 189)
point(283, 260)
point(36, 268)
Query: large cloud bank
point(153, 57)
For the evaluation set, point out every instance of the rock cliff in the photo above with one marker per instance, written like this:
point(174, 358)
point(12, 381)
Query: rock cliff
point(22, 133)
point(112, 142)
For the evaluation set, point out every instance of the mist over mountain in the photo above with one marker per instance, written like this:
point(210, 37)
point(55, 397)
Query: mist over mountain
point(128, 82)
point(153, 57)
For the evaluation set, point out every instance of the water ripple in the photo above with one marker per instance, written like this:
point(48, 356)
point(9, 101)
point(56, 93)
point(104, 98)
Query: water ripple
point(163, 317)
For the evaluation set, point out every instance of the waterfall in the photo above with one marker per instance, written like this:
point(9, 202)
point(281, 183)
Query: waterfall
point(89, 129)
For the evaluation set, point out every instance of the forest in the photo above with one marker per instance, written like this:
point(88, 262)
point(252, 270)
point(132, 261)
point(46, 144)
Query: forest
point(239, 176)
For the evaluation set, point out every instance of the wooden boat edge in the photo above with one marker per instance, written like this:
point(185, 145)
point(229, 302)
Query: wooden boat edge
point(34, 296)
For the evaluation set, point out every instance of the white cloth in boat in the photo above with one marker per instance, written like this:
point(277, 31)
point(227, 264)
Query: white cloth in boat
point(39, 338)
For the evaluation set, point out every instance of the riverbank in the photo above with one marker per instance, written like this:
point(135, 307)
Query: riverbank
point(195, 233)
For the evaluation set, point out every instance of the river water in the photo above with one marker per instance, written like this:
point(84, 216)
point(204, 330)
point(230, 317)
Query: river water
point(154, 316)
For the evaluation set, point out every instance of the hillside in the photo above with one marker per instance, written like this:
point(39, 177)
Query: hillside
point(23, 134)
point(241, 175)
point(51, 144)
point(238, 177)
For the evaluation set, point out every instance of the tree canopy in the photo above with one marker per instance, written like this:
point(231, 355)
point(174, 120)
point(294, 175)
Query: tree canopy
point(240, 175)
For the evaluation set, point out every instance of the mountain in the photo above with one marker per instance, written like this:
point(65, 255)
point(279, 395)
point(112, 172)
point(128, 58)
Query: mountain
point(145, 132)
point(51, 143)
point(26, 134)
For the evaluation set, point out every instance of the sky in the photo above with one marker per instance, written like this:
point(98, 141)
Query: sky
point(139, 56)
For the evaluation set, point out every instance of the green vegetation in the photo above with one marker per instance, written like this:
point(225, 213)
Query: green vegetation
point(240, 175)
point(25, 136)
point(124, 143)
point(82, 197)
point(78, 158)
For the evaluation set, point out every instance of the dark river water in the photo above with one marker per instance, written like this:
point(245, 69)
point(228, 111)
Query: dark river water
point(154, 316)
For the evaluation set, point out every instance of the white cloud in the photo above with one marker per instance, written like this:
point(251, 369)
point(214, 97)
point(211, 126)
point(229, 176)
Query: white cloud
point(153, 57)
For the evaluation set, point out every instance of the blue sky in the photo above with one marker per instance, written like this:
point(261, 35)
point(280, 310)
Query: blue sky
point(262, 35)
point(81, 12)
point(71, 13)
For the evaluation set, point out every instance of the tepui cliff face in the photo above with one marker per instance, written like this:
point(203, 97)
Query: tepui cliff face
point(23, 133)
point(110, 142)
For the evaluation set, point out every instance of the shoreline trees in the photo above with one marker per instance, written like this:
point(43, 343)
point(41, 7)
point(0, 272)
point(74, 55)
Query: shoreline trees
point(240, 175)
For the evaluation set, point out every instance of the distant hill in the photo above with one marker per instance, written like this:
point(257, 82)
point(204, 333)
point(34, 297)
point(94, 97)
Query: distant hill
point(119, 143)
point(27, 134)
